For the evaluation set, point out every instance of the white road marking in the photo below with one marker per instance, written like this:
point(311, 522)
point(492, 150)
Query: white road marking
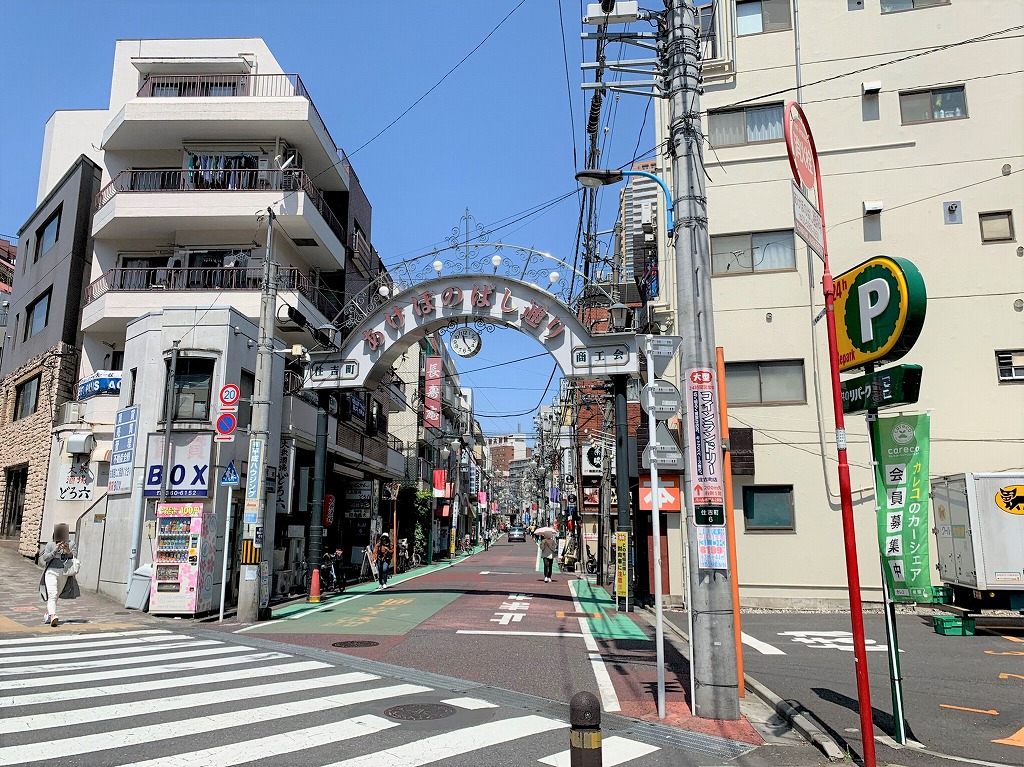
point(60, 718)
point(235, 675)
point(471, 704)
point(762, 647)
point(609, 700)
point(614, 750)
point(6, 652)
point(132, 736)
point(104, 662)
point(454, 743)
point(275, 745)
point(66, 680)
point(76, 637)
point(522, 633)
point(55, 654)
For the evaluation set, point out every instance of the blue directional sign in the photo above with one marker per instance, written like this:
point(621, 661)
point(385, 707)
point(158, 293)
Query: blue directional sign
point(230, 476)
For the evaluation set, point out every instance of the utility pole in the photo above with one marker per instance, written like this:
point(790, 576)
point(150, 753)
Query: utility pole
point(316, 529)
point(713, 661)
point(259, 431)
point(622, 499)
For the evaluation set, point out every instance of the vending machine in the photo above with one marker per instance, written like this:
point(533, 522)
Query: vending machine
point(183, 561)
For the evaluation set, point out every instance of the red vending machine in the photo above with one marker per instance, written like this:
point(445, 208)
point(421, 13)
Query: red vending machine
point(183, 562)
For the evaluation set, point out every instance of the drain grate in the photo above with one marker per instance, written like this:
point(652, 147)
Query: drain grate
point(355, 643)
point(420, 712)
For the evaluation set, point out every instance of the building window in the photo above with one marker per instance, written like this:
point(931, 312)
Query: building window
point(997, 226)
point(134, 373)
point(933, 105)
point(26, 398)
point(779, 382)
point(46, 235)
point(895, 6)
point(751, 125)
point(768, 508)
point(756, 16)
point(706, 21)
point(1010, 365)
point(37, 315)
point(193, 383)
point(754, 252)
point(246, 388)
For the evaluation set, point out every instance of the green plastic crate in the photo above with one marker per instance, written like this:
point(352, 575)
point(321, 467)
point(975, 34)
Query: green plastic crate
point(953, 625)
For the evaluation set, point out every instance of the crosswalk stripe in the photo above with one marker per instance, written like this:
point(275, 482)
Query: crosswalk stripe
point(23, 650)
point(614, 751)
point(470, 704)
point(275, 745)
point(132, 736)
point(188, 648)
point(455, 743)
point(59, 718)
point(57, 655)
point(235, 675)
point(75, 637)
point(65, 680)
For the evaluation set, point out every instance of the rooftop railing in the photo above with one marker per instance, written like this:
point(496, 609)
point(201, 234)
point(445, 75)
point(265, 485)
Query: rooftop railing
point(232, 85)
point(220, 180)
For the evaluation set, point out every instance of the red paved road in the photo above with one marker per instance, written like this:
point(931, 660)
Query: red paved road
point(417, 625)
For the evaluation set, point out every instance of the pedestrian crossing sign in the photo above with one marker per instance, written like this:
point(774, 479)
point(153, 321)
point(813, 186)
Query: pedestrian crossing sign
point(230, 476)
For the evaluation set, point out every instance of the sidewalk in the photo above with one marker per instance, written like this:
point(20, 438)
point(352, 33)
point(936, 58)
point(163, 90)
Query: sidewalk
point(21, 610)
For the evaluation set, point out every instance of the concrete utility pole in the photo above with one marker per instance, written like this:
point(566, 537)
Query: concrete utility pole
point(713, 664)
point(249, 589)
point(316, 529)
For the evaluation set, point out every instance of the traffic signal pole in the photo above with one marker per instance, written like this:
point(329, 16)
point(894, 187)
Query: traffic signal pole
point(713, 662)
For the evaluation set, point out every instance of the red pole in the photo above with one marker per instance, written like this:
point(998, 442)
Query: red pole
point(845, 496)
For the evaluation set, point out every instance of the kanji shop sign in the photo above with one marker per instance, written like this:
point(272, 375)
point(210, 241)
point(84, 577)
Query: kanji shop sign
point(410, 316)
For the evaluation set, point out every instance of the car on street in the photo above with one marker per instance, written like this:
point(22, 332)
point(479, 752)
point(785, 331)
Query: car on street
point(516, 534)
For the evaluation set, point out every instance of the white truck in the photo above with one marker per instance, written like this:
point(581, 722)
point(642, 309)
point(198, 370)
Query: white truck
point(979, 534)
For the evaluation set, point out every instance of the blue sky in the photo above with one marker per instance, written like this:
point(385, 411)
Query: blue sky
point(495, 136)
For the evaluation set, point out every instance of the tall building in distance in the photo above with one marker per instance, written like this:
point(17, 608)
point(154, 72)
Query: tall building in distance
point(639, 206)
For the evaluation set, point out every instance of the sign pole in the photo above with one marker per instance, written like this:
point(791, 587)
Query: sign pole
point(659, 625)
point(224, 564)
point(803, 158)
point(889, 607)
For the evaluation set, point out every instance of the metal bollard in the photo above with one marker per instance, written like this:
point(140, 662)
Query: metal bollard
point(585, 732)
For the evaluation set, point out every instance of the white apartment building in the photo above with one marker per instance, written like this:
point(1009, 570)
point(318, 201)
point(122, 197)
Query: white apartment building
point(921, 156)
point(199, 139)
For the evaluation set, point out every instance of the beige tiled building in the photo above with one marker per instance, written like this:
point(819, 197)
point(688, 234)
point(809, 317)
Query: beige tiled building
point(915, 111)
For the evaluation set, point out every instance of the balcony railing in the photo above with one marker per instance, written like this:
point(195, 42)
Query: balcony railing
point(148, 279)
point(219, 180)
point(231, 85)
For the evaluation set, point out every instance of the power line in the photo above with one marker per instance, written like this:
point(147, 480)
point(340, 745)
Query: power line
point(568, 87)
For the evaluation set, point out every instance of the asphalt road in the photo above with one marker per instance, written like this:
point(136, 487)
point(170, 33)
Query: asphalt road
point(492, 623)
point(962, 694)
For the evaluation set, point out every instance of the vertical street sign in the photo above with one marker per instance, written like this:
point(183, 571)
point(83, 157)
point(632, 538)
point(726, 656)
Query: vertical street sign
point(122, 454)
point(253, 487)
point(706, 467)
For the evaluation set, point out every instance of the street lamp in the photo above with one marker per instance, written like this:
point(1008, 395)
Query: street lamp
point(619, 314)
point(596, 177)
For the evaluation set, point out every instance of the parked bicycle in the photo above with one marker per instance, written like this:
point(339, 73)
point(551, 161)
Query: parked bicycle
point(402, 562)
point(332, 572)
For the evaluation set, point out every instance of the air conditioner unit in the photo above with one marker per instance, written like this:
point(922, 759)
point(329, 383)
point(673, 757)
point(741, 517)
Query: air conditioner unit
point(72, 412)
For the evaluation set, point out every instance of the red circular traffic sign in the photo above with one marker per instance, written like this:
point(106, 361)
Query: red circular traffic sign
point(229, 394)
point(226, 423)
point(803, 157)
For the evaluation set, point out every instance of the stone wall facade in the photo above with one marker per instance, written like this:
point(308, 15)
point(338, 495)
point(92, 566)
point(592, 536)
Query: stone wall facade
point(26, 442)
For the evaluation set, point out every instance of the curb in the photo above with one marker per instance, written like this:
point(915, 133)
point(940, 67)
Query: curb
point(798, 720)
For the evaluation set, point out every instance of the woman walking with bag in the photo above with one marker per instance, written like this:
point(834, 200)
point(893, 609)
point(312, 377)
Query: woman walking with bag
point(58, 579)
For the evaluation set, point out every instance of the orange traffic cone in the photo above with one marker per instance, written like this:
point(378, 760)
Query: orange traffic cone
point(314, 587)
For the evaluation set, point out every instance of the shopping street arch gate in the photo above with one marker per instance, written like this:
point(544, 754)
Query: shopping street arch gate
point(373, 346)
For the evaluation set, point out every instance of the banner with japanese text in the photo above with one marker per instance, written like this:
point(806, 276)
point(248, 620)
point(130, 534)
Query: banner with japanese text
point(432, 392)
point(901, 494)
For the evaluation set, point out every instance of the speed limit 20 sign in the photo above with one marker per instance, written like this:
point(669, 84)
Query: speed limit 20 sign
point(229, 395)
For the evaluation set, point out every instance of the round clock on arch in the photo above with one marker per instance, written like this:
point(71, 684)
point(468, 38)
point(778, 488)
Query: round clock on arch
point(465, 342)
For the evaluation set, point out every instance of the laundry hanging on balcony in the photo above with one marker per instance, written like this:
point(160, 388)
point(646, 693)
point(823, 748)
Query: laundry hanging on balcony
point(219, 171)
